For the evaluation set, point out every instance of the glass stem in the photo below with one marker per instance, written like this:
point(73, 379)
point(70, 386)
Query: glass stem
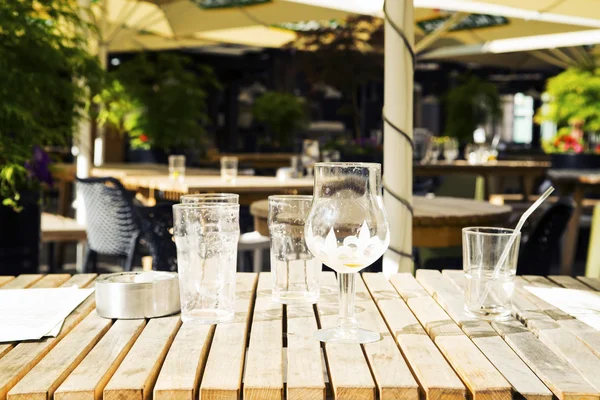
point(346, 318)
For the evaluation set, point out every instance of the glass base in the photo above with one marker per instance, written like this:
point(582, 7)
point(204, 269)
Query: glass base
point(489, 313)
point(208, 317)
point(339, 335)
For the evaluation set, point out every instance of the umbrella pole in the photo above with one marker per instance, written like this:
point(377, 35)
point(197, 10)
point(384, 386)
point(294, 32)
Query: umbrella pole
point(398, 128)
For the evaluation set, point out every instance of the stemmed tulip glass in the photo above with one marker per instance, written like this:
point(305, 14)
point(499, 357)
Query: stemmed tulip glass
point(347, 229)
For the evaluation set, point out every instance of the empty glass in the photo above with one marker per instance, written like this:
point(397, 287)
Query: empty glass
point(482, 248)
point(211, 198)
point(347, 230)
point(177, 168)
point(229, 168)
point(294, 269)
point(451, 149)
point(206, 235)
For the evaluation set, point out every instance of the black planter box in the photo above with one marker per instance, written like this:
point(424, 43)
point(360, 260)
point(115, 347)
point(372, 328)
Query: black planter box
point(20, 239)
point(575, 161)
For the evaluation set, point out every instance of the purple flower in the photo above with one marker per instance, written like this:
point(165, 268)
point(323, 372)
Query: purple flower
point(39, 166)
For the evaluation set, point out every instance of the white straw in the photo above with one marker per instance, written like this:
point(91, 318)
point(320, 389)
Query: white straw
point(511, 241)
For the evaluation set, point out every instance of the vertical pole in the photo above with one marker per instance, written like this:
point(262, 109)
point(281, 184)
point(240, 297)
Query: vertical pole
point(100, 141)
point(398, 109)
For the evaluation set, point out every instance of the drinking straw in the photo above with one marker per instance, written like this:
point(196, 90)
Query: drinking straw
point(511, 241)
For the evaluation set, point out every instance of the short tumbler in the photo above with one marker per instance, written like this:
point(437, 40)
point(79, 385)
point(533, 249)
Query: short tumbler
point(177, 167)
point(210, 198)
point(206, 236)
point(487, 296)
point(229, 169)
point(294, 269)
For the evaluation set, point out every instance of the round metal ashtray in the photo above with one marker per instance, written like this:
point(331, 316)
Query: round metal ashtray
point(136, 295)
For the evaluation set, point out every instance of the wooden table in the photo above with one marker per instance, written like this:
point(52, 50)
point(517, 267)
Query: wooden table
point(250, 188)
point(527, 171)
point(59, 229)
point(437, 222)
point(429, 346)
point(573, 183)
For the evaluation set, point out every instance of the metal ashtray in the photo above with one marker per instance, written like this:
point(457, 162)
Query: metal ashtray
point(136, 295)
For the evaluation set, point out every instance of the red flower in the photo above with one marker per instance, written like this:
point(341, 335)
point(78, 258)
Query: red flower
point(597, 149)
point(144, 138)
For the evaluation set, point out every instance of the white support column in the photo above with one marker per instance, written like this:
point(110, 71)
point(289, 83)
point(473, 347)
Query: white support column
point(397, 159)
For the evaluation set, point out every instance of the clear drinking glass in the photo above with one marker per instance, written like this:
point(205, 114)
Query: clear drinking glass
point(310, 155)
point(451, 149)
point(229, 168)
point(294, 269)
point(486, 296)
point(177, 167)
point(210, 198)
point(347, 230)
point(433, 151)
point(206, 235)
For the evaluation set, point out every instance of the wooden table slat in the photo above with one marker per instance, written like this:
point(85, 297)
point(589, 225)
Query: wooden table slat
point(43, 379)
point(5, 279)
point(80, 280)
point(594, 283)
point(222, 377)
point(305, 374)
point(264, 366)
point(539, 281)
point(136, 376)
point(568, 282)
point(51, 281)
point(436, 377)
point(406, 285)
point(348, 369)
point(22, 281)
point(88, 380)
point(588, 335)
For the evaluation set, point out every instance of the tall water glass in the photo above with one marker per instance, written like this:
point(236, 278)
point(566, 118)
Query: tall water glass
point(210, 198)
point(229, 169)
point(482, 248)
point(177, 168)
point(295, 271)
point(206, 235)
point(347, 229)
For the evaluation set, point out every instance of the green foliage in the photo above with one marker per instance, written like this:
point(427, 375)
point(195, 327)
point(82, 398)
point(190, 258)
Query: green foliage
point(474, 102)
point(46, 77)
point(282, 113)
point(575, 95)
point(159, 101)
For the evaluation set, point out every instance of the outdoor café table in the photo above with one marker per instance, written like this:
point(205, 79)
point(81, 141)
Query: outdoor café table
point(250, 188)
point(527, 171)
point(437, 222)
point(573, 183)
point(429, 348)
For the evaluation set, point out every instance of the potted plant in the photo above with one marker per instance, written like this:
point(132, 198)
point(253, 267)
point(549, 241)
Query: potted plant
point(159, 102)
point(283, 115)
point(574, 107)
point(46, 75)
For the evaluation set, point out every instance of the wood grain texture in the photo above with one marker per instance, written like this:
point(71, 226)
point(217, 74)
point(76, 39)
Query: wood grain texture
point(22, 281)
point(568, 282)
point(43, 379)
point(222, 377)
point(435, 376)
point(588, 335)
point(135, 377)
point(392, 376)
point(445, 293)
point(20, 360)
point(348, 369)
point(407, 286)
point(560, 377)
point(80, 280)
point(263, 378)
point(304, 362)
point(593, 283)
point(88, 380)
point(51, 281)
point(539, 281)
point(5, 279)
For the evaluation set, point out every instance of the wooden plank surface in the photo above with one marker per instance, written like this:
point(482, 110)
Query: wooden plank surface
point(264, 366)
point(43, 379)
point(568, 282)
point(435, 376)
point(51, 281)
point(594, 283)
point(588, 335)
point(560, 377)
point(88, 380)
point(5, 279)
point(222, 377)
point(80, 280)
point(349, 371)
point(22, 281)
point(135, 377)
point(392, 376)
point(406, 285)
point(304, 361)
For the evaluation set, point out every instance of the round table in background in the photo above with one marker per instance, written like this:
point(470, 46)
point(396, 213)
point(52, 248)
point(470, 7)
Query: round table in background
point(437, 222)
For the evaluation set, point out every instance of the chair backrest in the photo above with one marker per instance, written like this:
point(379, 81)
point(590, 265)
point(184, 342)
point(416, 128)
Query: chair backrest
point(112, 222)
point(538, 250)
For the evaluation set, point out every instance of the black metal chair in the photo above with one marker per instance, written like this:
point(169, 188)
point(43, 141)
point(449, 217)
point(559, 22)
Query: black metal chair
point(540, 246)
point(116, 226)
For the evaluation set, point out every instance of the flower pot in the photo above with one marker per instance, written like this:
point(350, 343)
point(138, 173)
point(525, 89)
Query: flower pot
point(20, 238)
point(575, 161)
